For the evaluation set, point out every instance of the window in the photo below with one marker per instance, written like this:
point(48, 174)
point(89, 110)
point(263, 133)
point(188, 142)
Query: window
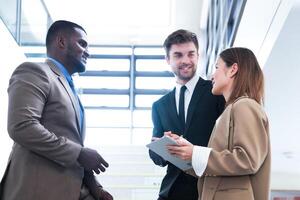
point(118, 89)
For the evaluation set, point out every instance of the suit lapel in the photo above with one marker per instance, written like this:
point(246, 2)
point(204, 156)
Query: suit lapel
point(198, 92)
point(173, 109)
point(69, 91)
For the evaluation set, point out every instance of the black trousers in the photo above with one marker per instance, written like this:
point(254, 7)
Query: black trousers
point(184, 188)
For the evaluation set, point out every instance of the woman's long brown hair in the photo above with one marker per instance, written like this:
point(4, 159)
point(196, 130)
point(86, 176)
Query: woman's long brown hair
point(249, 79)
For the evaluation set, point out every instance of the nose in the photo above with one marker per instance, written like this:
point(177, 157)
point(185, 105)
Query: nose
point(86, 53)
point(213, 76)
point(185, 59)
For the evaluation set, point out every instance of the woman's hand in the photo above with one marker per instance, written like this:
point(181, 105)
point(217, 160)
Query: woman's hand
point(183, 150)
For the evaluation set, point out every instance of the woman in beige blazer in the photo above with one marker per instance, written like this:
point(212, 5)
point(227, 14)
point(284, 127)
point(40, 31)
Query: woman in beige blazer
point(236, 163)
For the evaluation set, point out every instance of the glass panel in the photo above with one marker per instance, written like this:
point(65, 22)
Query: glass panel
point(108, 64)
point(34, 49)
point(96, 118)
point(141, 136)
point(155, 82)
point(34, 24)
point(102, 82)
point(8, 10)
point(110, 50)
point(105, 100)
point(146, 100)
point(31, 59)
point(152, 65)
point(142, 118)
point(97, 137)
point(149, 51)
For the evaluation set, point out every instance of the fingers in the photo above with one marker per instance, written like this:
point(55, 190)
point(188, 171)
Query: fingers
point(91, 160)
point(174, 149)
point(101, 165)
point(154, 138)
point(102, 161)
point(183, 142)
point(172, 135)
point(180, 152)
point(105, 195)
point(96, 171)
point(168, 133)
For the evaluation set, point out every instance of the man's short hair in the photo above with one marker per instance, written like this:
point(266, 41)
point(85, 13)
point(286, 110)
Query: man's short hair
point(179, 37)
point(58, 27)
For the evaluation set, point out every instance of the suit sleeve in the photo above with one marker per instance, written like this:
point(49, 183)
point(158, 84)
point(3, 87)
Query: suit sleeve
point(157, 132)
point(28, 90)
point(250, 143)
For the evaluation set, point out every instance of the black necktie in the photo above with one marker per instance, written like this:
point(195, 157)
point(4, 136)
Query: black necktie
point(181, 106)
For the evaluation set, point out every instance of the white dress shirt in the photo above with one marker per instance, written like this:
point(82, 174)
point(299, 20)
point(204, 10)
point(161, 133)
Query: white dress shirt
point(190, 87)
point(200, 158)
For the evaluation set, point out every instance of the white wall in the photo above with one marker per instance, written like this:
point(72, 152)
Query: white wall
point(282, 72)
point(11, 56)
point(271, 29)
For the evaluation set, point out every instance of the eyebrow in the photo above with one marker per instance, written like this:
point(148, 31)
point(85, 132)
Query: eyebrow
point(178, 52)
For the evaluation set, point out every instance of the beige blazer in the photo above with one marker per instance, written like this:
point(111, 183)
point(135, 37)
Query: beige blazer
point(43, 121)
point(244, 172)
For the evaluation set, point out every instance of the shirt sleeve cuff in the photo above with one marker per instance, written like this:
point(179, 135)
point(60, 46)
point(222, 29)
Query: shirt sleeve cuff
point(200, 159)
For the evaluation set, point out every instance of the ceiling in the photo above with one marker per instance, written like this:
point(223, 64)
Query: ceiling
point(128, 22)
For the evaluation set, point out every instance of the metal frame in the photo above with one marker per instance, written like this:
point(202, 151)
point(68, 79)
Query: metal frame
point(222, 23)
point(132, 74)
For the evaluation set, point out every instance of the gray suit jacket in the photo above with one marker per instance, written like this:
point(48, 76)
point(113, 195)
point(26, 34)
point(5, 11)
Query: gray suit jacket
point(43, 121)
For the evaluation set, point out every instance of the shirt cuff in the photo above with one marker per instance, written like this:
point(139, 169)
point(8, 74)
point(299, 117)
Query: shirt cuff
point(200, 159)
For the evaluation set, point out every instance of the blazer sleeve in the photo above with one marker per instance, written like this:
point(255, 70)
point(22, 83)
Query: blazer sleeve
point(28, 90)
point(250, 143)
point(157, 132)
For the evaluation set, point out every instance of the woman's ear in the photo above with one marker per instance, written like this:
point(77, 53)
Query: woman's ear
point(233, 70)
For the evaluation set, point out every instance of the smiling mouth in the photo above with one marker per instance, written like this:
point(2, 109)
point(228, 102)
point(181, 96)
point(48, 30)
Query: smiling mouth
point(185, 67)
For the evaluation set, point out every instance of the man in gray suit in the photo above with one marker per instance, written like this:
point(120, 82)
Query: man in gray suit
point(46, 121)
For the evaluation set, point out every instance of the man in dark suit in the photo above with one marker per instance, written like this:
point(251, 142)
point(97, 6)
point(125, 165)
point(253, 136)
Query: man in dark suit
point(189, 110)
point(46, 122)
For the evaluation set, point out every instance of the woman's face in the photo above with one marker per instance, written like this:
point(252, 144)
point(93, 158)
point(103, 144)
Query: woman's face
point(221, 78)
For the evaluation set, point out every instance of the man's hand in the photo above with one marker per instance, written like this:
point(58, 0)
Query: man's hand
point(91, 160)
point(154, 139)
point(95, 187)
point(104, 195)
point(171, 135)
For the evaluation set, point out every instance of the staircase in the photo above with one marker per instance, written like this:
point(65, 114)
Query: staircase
point(131, 175)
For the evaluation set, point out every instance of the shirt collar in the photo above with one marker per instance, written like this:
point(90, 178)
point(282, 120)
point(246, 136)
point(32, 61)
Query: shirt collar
point(62, 69)
point(190, 85)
